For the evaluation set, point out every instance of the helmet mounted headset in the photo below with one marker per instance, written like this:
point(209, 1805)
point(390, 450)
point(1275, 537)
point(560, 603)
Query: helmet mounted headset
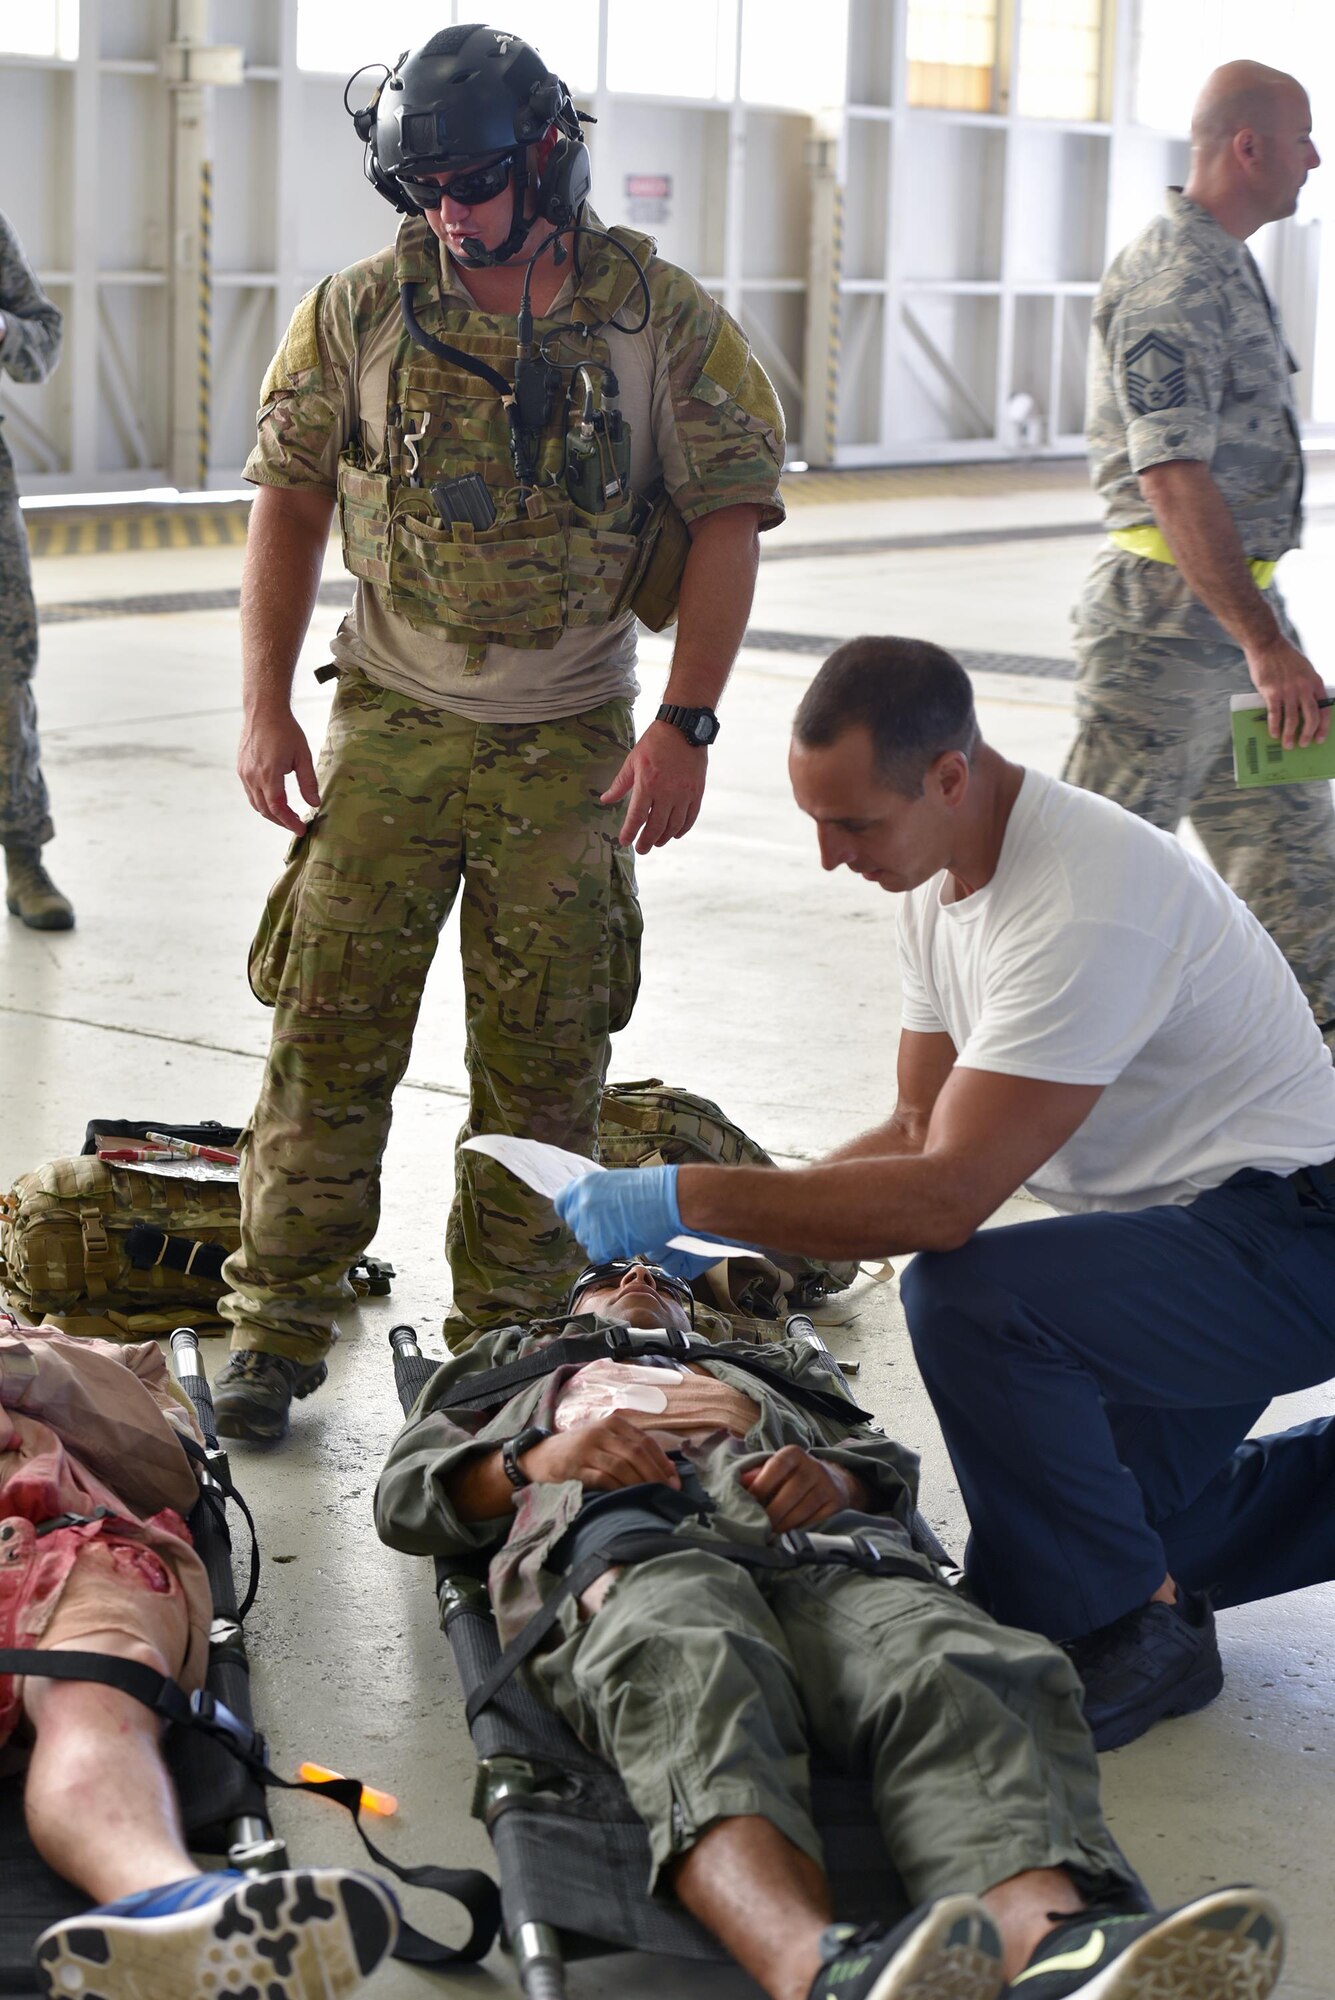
point(468, 93)
point(478, 95)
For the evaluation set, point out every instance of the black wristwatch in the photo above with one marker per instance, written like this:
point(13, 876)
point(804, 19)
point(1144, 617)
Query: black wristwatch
point(698, 725)
point(513, 1450)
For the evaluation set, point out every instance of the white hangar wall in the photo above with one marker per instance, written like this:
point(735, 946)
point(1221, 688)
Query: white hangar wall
point(907, 203)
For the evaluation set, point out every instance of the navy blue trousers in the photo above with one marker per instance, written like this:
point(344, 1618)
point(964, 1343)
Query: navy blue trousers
point(1096, 1377)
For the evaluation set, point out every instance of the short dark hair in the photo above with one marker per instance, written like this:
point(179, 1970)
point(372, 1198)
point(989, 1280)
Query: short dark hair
point(914, 700)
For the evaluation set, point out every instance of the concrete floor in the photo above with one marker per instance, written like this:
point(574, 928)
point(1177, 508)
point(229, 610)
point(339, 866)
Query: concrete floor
point(767, 986)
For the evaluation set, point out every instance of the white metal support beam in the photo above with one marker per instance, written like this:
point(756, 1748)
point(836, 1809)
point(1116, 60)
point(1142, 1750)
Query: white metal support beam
point(82, 332)
point(191, 67)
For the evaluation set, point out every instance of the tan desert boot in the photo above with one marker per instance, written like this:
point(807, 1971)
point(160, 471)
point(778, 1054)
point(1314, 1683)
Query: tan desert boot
point(31, 895)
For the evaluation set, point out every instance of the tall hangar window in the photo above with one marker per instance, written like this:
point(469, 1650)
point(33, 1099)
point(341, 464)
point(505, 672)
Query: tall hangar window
point(959, 52)
point(697, 60)
point(41, 28)
point(1062, 64)
point(337, 35)
point(1177, 46)
point(952, 54)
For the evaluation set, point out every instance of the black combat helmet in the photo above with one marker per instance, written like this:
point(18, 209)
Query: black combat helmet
point(469, 92)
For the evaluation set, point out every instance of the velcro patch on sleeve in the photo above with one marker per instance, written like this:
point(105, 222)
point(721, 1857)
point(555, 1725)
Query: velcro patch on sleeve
point(300, 351)
point(729, 356)
point(731, 365)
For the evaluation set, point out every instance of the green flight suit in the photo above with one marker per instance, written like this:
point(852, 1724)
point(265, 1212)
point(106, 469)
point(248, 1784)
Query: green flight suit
point(706, 1684)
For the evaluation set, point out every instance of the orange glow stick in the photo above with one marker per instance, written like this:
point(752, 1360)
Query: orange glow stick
point(383, 1803)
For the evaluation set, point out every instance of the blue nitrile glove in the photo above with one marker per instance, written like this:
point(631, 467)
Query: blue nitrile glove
point(633, 1212)
point(629, 1212)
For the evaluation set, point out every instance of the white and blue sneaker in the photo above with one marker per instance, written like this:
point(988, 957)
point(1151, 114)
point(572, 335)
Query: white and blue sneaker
point(304, 1934)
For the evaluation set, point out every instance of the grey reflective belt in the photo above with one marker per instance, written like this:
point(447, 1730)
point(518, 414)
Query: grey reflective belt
point(786, 1552)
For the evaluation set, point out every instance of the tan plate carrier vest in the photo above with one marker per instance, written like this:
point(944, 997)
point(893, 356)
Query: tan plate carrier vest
point(545, 565)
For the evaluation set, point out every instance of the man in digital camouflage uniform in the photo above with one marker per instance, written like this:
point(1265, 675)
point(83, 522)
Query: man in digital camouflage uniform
point(1194, 444)
point(29, 349)
point(707, 1680)
point(481, 738)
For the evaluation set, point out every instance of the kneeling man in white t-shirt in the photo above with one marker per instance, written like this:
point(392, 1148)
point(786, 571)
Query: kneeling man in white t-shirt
point(1089, 1012)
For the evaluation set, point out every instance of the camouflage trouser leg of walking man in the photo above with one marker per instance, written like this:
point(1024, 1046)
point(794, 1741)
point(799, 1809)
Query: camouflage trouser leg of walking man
point(417, 803)
point(1154, 734)
point(25, 818)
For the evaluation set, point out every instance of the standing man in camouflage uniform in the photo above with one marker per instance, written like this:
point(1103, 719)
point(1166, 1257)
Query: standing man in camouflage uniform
point(29, 349)
point(1194, 444)
point(481, 741)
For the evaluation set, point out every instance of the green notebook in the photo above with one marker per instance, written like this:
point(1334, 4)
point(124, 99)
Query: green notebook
point(1259, 759)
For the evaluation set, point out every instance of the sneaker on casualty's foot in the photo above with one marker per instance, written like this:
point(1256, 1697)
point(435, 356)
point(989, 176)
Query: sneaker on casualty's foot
point(949, 1950)
point(1158, 1661)
point(307, 1934)
point(1228, 1945)
point(253, 1391)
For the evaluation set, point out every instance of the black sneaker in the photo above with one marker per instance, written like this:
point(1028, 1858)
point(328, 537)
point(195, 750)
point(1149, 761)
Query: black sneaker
point(253, 1391)
point(1160, 1660)
point(949, 1950)
point(1228, 1945)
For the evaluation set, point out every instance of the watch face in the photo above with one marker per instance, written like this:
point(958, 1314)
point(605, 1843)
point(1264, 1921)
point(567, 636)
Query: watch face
point(703, 729)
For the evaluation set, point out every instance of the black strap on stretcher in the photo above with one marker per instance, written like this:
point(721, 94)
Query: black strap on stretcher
point(214, 1494)
point(202, 1711)
point(489, 1391)
point(787, 1551)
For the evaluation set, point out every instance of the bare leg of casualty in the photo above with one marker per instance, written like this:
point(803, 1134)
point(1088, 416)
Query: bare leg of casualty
point(102, 1812)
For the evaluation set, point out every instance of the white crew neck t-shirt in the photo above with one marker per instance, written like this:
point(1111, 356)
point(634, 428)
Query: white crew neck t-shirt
point(1103, 952)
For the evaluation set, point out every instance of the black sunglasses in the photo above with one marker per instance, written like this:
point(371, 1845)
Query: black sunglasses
point(472, 186)
point(613, 1273)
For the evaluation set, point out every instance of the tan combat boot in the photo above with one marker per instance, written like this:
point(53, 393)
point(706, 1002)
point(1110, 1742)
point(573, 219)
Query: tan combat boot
point(31, 895)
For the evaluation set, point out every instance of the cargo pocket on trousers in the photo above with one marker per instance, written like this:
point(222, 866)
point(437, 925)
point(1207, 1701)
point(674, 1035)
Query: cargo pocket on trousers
point(552, 979)
point(353, 942)
point(626, 927)
point(273, 939)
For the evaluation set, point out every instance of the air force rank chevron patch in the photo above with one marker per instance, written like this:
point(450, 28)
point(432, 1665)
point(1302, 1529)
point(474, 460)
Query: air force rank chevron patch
point(1155, 375)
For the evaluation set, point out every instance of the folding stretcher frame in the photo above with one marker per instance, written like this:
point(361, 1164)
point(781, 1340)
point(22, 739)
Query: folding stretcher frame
point(222, 1806)
point(572, 1853)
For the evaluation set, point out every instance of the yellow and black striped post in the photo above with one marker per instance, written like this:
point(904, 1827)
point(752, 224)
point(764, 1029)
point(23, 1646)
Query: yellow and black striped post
point(205, 317)
point(836, 324)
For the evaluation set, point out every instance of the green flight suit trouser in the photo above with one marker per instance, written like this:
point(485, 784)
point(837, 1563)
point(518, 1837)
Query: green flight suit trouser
point(1154, 734)
point(705, 1684)
point(417, 804)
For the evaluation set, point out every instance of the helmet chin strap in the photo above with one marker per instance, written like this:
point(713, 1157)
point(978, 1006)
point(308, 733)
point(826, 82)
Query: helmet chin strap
point(475, 252)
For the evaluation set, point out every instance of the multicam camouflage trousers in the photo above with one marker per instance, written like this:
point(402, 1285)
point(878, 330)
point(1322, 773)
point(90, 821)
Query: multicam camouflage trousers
point(25, 818)
point(1154, 734)
point(418, 804)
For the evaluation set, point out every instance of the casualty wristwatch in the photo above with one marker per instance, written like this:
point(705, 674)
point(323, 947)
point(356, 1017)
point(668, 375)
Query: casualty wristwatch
point(513, 1450)
point(697, 725)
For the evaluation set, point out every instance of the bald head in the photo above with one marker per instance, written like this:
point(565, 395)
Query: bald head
point(1243, 96)
point(1251, 145)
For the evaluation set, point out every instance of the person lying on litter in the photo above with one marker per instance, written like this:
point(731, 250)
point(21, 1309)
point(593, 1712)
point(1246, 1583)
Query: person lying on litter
point(774, 1603)
point(95, 1557)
